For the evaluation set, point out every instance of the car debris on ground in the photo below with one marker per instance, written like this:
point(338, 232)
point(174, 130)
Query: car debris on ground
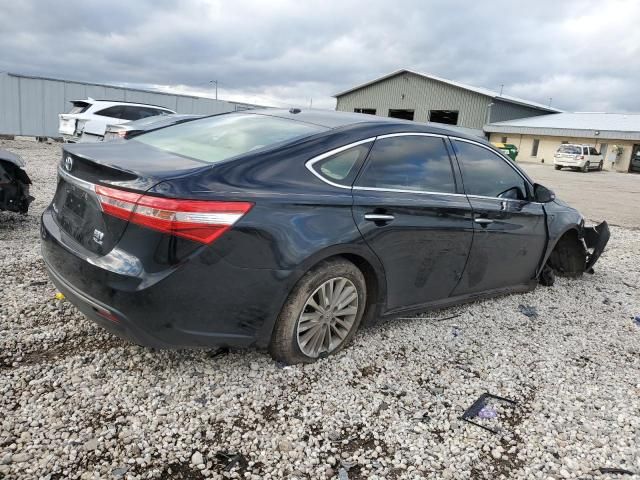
point(14, 183)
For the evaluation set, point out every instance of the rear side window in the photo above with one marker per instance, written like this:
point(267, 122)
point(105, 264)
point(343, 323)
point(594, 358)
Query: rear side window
point(486, 174)
point(409, 162)
point(113, 112)
point(342, 167)
point(218, 138)
point(593, 151)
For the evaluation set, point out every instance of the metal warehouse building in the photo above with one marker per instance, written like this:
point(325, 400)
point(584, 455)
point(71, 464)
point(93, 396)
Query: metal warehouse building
point(615, 135)
point(427, 98)
point(30, 105)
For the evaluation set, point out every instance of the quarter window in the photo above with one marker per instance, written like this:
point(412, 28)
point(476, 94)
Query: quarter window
point(486, 174)
point(342, 167)
point(409, 162)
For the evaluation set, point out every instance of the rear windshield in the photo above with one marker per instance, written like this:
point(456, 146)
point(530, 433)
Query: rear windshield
point(217, 138)
point(79, 107)
point(572, 149)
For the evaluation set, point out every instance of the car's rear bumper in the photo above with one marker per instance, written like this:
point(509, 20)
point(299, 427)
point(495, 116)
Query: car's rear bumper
point(569, 162)
point(202, 302)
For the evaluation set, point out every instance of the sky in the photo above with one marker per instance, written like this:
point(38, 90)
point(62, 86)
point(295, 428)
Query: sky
point(583, 54)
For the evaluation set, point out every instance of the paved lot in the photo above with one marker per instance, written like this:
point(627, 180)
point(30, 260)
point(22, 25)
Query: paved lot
point(610, 196)
point(76, 402)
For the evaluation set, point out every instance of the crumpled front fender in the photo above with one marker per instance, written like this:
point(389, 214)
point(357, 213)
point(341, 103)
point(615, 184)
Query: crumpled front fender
point(595, 238)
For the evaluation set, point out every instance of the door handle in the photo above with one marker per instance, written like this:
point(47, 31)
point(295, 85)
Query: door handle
point(483, 221)
point(379, 217)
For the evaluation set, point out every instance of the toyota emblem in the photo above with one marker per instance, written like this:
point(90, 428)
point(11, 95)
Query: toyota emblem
point(68, 163)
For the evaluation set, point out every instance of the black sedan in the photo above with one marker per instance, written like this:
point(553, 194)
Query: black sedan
point(287, 229)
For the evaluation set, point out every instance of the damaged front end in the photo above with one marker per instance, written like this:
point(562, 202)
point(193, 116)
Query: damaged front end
point(14, 184)
point(595, 239)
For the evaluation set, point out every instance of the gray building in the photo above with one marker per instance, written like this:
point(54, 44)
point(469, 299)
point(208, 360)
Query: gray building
point(30, 105)
point(427, 98)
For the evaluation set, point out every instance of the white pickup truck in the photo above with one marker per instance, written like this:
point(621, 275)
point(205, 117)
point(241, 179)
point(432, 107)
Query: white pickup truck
point(88, 119)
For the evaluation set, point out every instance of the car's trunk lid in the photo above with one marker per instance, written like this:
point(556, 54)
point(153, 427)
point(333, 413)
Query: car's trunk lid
point(128, 166)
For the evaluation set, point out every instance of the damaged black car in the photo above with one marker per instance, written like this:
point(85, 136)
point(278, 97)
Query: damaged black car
point(14, 183)
point(287, 229)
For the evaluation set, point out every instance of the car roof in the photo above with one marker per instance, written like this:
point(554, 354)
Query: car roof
point(335, 119)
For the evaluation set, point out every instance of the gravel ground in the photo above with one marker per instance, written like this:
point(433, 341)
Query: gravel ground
point(76, 402)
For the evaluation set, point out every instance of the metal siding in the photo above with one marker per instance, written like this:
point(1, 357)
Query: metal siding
point(502, 111)
point(420, 95)
point(31, 112)
point(53, 103)
point(9, 105)
point(30, 106)
point(115, 94)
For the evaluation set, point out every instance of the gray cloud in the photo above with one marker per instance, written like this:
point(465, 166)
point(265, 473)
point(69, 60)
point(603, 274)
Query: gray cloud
point(582, 53)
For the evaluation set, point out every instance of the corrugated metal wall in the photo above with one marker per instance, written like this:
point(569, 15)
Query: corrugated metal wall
point(502, 111)
point(413, 92)
point(30, 106)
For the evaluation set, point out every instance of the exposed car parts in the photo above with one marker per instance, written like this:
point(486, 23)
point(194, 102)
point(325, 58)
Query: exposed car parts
point(576, 253)
point(14, 183)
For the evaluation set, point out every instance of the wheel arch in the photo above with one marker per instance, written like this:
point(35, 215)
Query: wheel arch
point(361, 257)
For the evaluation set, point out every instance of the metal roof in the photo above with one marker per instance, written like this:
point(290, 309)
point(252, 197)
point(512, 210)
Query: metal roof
point(622, 126)
point(123, 86)
point(483, 91)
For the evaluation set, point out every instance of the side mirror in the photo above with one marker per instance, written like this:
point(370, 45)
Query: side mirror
point(542, 194)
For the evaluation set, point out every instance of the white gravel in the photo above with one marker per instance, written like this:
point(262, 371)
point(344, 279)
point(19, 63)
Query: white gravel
point(76, 402)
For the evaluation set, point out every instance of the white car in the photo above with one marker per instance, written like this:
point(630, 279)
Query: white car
point(88, 119)
point(582, 157)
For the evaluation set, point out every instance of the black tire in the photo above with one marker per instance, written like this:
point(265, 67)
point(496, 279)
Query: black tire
point(600, 165)
point(284, 339)
point(569, 256)
point(586, 167)
point(557, 167)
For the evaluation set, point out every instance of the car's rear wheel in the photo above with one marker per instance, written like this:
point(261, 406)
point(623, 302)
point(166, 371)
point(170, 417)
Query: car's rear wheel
point(557, 167)
point(600, 166)
point(586, 167)
point(322, 313)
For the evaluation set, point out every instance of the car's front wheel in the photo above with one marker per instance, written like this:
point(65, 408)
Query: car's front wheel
point(321, 314)
point(557, 167)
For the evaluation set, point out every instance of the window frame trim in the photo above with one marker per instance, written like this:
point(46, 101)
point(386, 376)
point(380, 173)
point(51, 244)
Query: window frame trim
point(309, 165)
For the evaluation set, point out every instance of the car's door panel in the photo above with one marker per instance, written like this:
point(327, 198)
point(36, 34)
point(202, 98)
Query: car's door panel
point(424, 247)
point(408, 209)
point(509, 241)
point(510, 234)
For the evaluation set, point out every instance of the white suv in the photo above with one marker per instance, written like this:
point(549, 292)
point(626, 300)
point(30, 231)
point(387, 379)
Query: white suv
point(582, 157)
point(88, 119)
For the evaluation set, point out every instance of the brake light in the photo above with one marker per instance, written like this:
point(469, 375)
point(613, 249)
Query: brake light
point(199, 220)
point(581, 157)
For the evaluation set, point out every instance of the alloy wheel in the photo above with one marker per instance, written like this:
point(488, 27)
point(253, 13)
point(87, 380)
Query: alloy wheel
point(327, 317)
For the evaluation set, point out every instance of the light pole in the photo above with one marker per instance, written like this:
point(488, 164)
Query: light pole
point(215, 82)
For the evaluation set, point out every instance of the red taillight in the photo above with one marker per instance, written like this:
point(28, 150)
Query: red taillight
point(199, 220)
point(581, 157)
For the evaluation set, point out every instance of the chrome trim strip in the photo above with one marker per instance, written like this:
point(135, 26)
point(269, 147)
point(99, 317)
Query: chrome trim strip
point(411, 134)
point(397, 190)
point(88, 186)
point(309, 164)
